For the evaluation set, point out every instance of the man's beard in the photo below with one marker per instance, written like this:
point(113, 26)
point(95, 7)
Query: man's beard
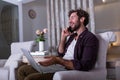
point(76, 27)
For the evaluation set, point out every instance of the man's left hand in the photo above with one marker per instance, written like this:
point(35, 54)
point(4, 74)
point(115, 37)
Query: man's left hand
point(50, 60)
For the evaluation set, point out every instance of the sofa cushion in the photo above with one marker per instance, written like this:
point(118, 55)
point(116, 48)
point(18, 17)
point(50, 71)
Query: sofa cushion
point(103, 45)
point(16, 53)
point(16, 46)
point(104, 39)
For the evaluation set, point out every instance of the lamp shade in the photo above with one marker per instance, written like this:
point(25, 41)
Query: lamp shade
point(117, 42)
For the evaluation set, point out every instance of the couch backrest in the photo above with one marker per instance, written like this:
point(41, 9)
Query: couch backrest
point(16, 46)
point(104, 40)
point(16, 53)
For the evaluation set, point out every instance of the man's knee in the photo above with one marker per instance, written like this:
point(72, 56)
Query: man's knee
point(24, 71)
point(33, 76)
point(23, 68)
point(27, 69)
point(39, 76)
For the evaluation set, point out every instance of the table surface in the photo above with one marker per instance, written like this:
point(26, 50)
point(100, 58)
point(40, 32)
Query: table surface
point(38, 56)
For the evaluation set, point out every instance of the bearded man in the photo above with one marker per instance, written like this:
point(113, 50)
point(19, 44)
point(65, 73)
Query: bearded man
point(77, 50)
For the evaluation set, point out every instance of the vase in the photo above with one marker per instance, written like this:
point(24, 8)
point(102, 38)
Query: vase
point(41, 46)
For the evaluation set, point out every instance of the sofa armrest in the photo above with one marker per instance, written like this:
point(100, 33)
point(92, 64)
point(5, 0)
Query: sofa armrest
point(3, 73)
point(95, 74)
point(12, 69)
point(12, 59)
point(12, 65)
point(2, 62)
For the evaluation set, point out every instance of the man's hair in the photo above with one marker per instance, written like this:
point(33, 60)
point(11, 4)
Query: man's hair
point(81, 13)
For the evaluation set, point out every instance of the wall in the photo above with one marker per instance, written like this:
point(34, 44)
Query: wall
point(107, 17)
point(31, 25)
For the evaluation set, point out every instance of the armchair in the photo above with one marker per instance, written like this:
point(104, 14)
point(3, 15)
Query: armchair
point(16, 55)
point(99, 72)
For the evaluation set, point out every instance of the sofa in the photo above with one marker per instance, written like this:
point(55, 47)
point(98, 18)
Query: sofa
point(8, 67)
point(100, 71)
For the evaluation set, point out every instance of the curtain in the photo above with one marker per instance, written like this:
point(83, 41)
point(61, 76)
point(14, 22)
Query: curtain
point(57, 17)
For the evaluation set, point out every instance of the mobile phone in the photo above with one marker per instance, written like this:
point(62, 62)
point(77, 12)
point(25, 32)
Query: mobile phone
point(69, 29)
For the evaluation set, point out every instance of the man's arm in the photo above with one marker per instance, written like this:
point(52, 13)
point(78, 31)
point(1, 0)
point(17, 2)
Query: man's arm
point(61, 45)
point(57, 60)
point(67, 63)
point(64, 35)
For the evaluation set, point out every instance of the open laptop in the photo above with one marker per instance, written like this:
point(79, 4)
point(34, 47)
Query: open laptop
point(31, 60)
point(40, 68)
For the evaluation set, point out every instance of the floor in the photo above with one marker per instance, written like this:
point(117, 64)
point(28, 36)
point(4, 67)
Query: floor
point(111, 62)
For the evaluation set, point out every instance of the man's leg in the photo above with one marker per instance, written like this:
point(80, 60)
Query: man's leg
point(24, 71)
point(39, 76)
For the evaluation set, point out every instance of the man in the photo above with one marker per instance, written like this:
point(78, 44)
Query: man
point(77, 50)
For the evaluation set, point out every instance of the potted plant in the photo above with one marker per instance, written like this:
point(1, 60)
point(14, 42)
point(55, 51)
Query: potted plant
point(41, 38)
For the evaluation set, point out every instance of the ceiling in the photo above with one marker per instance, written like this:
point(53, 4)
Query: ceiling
point(96, 2)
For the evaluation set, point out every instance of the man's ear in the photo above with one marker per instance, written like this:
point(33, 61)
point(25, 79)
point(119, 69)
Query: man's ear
point(82, 19)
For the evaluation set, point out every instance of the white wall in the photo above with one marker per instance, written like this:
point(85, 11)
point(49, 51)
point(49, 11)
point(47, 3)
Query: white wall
point(107, 17)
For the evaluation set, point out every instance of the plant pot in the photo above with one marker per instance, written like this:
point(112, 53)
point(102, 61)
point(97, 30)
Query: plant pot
point(41, 46)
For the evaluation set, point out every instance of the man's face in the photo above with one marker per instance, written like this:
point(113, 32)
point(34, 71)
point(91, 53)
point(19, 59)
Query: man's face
point(74, 21)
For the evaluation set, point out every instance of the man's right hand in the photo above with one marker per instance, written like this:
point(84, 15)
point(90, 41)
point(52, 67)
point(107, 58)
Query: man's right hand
point(64, 34)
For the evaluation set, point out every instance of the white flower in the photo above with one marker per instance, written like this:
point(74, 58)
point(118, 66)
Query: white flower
point(45, 30)
point(40, 34)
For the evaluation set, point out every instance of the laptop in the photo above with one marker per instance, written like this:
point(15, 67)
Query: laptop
point(31, 60)
point(40, 68)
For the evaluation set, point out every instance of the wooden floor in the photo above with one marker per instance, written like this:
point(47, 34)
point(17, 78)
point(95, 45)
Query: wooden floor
point(113, 57)
point(111, 62)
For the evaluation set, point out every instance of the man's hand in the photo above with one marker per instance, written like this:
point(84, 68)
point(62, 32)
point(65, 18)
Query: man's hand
point(50, 61)
point(65, 33)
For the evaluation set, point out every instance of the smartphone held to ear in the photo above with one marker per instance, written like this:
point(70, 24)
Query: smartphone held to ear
point(69, 29)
